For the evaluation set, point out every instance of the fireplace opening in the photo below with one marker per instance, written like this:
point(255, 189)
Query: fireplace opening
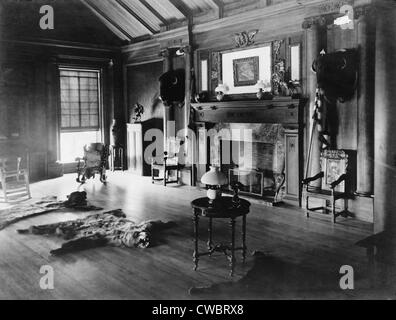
point(256, 160)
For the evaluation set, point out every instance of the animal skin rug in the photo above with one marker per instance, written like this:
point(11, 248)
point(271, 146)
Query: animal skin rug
point(273, 278)
point(108, 228)
point(76, 201)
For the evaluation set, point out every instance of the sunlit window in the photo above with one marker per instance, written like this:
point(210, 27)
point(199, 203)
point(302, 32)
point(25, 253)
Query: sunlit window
point(80, 111)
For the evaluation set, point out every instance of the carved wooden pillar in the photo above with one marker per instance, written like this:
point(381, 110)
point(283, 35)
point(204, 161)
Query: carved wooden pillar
point(385, 115)
point(168, 110)
point(315, 37)
point(365, 138)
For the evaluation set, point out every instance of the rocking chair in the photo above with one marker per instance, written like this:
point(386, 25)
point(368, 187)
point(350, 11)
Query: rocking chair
point(93, 162)
point(336, 183)
point(14, 179)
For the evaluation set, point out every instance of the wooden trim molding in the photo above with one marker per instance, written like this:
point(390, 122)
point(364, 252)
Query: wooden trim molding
point(62, 44)
point(285, 111)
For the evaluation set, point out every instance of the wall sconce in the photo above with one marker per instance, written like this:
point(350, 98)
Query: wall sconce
point(181, 51)
point(221, 90)
point(345, 20)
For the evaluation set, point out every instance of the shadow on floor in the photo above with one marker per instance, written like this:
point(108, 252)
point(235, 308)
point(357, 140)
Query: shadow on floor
point(272, 278)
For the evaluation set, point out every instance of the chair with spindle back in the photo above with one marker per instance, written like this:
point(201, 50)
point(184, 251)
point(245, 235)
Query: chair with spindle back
point(14, 178)
point(170, 163)
point(337, 177)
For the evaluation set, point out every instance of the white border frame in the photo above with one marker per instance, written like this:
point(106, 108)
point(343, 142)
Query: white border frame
point(265, 67)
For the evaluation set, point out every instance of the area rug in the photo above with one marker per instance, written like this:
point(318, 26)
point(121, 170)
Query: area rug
point(272, 278)
point(75, 201)
point(107, 228)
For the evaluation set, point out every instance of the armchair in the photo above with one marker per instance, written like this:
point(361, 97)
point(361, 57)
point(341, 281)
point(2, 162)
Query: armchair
point(336, 183)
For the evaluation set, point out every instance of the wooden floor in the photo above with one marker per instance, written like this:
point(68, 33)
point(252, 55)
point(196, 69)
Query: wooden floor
point(164, 271)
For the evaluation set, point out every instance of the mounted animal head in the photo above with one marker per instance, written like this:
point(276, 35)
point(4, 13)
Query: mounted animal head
point(337, 74)
point(172, 86)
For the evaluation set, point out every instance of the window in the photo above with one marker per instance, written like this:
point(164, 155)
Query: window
point(79, 99)
point(80, 111)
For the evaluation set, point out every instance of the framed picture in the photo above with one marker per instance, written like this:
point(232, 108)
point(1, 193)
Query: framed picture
point(246, 71)
point(241, 69)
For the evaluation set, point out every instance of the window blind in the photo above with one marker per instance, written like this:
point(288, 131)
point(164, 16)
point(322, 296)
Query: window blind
point(79, 99)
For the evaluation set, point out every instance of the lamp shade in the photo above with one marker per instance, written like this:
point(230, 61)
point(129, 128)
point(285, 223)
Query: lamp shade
point(221, 88)
point(214, 177)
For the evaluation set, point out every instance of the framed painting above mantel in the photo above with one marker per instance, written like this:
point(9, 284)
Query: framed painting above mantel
point(241, 69)
point(276, 63)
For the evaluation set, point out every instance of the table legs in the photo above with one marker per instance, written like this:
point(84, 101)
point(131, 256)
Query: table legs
point(244, 238)
point(210, 242)
point(196, 254)
point(232, 258)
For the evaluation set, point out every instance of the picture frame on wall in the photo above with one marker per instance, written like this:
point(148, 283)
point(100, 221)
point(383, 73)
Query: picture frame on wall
point(241, 69)
point(246, 71)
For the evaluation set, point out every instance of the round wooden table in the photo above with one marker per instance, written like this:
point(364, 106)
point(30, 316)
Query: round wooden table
point(223, 208)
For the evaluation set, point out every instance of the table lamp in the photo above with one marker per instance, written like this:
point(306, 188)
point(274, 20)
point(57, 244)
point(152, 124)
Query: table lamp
point(214, 179)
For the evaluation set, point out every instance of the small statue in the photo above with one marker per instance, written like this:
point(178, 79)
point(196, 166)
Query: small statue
point(236, 187)
point(202, 96)
point(139, 110)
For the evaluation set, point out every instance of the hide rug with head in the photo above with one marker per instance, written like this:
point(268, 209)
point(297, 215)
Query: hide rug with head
point(107, 228)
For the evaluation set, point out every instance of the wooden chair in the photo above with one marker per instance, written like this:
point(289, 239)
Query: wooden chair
point(170, 164)
point(336, 182)
point(14, 179)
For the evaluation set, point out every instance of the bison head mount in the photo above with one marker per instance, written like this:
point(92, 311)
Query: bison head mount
point(172, 86)
point(337, 74)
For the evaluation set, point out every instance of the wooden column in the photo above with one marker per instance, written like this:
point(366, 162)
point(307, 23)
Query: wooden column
point(168, 110)
point(314, 39)
point(187, 102)
point(365, 138)
point(385, 115)
point(53, 106)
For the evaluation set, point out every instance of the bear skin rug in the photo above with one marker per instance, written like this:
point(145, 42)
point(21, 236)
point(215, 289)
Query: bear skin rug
point(76, 201)
point(101, 229)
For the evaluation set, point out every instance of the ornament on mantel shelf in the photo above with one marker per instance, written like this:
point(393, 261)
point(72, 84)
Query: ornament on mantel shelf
point(221, 90)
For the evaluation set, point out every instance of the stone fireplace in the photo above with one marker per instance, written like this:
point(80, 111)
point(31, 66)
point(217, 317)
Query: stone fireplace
point(254, 143)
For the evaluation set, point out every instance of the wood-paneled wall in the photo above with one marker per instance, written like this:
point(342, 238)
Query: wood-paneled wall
point(281, 20)
point(33, 123)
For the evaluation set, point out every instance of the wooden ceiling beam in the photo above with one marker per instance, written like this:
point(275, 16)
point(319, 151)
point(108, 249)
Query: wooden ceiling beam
point(183, 8)
point(154, 12)
point(220, 7)
point(110, 23)
point(133, 14)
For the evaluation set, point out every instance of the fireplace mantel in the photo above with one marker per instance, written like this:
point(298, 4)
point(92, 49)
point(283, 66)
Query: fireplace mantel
point(286, 112)
point(283, 111)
